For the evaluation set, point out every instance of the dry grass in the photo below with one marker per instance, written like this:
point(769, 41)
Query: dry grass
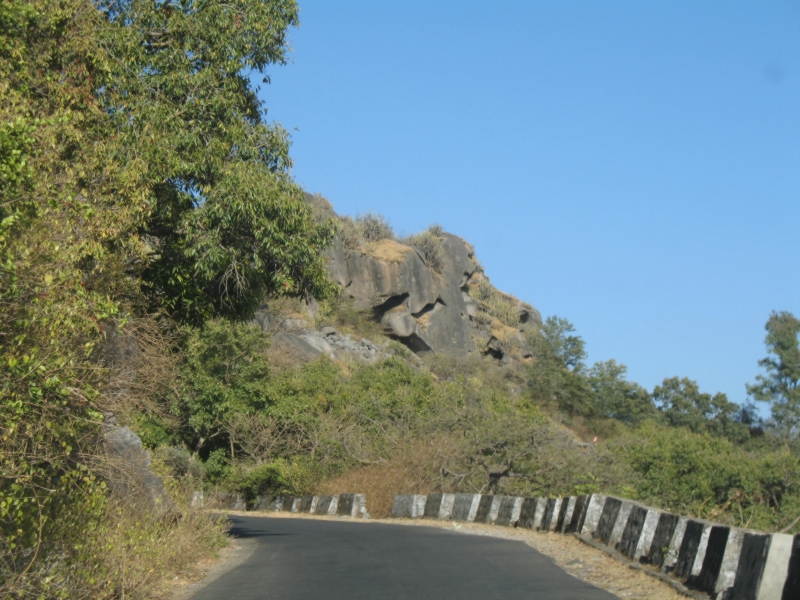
point(138, 551)
point(410, 472)
point(389, 251)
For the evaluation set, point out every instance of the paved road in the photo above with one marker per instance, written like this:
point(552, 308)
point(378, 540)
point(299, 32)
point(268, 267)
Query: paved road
point(305, 559)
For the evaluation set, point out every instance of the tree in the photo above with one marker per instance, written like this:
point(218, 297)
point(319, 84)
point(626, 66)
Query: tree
point(683, 405)
point(224, 224)
point(615, 397)
point(137, 176)
point(780, 386)
point(556, 373)
point(558, 345)
point(225, 373)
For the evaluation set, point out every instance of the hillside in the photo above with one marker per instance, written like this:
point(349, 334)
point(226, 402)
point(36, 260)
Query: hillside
point(177, 316)
point(446, 307)
point(421, 376)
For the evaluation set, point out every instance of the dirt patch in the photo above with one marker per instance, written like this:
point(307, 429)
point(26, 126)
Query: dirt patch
point(187, 583)
point(568, 552)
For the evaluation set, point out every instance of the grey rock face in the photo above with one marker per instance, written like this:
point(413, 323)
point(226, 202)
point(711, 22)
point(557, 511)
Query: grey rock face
point(129, 476)
point(426, 311)
point(309, 345)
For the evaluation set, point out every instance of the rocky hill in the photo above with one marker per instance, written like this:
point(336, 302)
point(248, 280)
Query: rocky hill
point(428, 292)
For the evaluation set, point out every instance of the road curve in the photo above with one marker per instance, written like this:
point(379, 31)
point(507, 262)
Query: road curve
point(331, 560)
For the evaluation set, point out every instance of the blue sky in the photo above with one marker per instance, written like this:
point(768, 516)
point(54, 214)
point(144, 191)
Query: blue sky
point(633, 167)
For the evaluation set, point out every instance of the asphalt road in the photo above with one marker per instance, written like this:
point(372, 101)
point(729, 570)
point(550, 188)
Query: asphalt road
point(331, 560)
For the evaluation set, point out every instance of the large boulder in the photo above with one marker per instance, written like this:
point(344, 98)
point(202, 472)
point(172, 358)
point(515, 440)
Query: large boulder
point(426, 311)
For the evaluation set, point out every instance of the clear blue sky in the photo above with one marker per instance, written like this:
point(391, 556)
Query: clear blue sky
point(633, 167)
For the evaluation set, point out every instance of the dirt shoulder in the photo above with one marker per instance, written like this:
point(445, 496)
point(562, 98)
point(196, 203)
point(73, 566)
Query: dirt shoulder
point(207, 570)
point(576, 558)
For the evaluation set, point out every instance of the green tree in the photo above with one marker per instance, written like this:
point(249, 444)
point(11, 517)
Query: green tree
point(137, 175)
point(617, 398)
point(780, 386)
point(224, 223)
point(682, 404)
point(558, 344)
point(225, 373)
point(557, 370)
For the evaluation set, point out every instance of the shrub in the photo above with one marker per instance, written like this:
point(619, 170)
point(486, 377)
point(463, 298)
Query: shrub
point(429, 243)
point(374, 227)
point(348, 231)
point(369, 228)
point(710, 477)
point(503, 310)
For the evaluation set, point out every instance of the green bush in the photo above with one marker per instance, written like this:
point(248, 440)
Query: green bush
point(255, 481)
point(702, 475)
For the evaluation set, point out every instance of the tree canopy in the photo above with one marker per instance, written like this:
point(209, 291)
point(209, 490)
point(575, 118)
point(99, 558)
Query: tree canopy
point(138, 177)
point(780, 386)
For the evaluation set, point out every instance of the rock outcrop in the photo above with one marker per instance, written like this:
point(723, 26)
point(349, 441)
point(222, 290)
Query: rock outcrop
point(425, 310)
point(451, 309)
point(306, 345)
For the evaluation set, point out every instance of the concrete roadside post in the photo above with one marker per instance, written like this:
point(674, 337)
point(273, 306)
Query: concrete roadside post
point(344, 507)
point(550, 514)
point(488, 508)
point(591, 516)
point(762, 573)
point(323, 505)
point(438, 506)
point(791, 588)
point(692, 550)
point(721, 558)
point(508, 512)
point(408, 506)
point(565, 513)
point(622, 520)
point(578, 514)
point(607, 520)
point(360, 506)
point(648, 533)
point(632, 533)
point(662, 540)
point(531, 511)
point(465, 507)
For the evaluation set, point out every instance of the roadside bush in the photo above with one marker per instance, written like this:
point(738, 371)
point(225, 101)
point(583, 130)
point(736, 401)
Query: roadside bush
point(709, 477)
point(256, 480)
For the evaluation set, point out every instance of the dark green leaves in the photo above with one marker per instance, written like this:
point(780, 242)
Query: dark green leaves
point(780, 386)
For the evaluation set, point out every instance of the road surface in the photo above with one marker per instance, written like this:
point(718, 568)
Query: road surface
point(305, 559)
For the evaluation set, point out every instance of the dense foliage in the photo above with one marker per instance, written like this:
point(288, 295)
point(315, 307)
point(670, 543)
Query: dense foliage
point(137, 178)
point(781, 385)
point(388, 428)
